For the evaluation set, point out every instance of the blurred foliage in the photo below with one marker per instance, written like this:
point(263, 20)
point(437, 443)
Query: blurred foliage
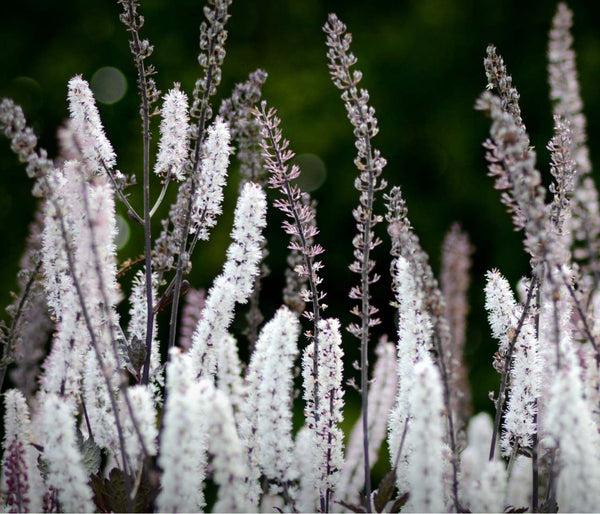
point(422, 63)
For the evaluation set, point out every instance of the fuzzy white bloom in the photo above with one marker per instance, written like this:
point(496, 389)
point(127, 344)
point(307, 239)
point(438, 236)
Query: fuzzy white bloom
point(99, 406)
point(173, 144)
point(569, 422)
point(213, 175)
point(526, 364)
point(382, 394)
point(212, 328)
point(235, 283)
point(475, 457)
point(144, 412)
point(426, 435)
point(66, 472)
point(17, 428)
point(137, 328)
point(414, 339)
point(274, 382)
point(328, 438)
point(487, 493)
point(94, 145)
point(501, 305)
point(230, 463)
point(183, 440)
point(244, 253)
point(520, 483)
point(64, 364)
point(307, 495)
point(229, 375)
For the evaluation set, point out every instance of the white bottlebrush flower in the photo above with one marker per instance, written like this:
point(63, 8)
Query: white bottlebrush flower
point(382, 391)
point(229, 375)
point(95, 148)
point(525, 365)
point(142, 404)
point(414, 339)
point(500, 304)
point(173, 144)
point(426, 435)
point(577, 443)
point(307, 495)
point(66, 472)
point(138, 313)
point(99, 407)
point(274, 382)
point(327, 435)
point(213, 175)
point(230, 462)
point(183, 440)
point(17, 430)
point(487, 493)
point(64, 364)
point(236, 282)
point(244, 253)
point(520, 483)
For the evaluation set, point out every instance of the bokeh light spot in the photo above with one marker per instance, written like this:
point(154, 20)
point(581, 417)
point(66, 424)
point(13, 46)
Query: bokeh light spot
point(312, 172)
point(123, 232)
point(109, 85)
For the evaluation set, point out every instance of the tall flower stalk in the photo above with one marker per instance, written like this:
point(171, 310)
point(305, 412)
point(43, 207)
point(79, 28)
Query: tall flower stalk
point(370, 165)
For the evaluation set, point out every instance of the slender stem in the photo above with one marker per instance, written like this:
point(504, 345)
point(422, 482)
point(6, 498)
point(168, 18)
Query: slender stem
point(504, 379)
point(14, 325)
point(161, 196)
point(446, 390)
point(145, 113)
point(132, 212)
point(582, 315)
point(535, 470)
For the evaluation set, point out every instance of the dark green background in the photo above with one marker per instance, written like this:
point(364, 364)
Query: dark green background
point(422, 63)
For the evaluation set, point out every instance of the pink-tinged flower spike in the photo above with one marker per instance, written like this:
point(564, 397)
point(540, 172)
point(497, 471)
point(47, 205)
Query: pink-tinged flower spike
point(183, 440)
point(426, 435)
point(327, 437)
point(174, 128)
point(236, 281)
point(414, 340)
point(455, 278)
point(213, 176)
point(230, 462)
point(569, 422)
point(24, 484)
point(382, 395)
point(520, 425)
point(275, 384)
point(139, 446)
point(567, 104)
point(95, 148)
point(191, 316)
point(66, 471)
